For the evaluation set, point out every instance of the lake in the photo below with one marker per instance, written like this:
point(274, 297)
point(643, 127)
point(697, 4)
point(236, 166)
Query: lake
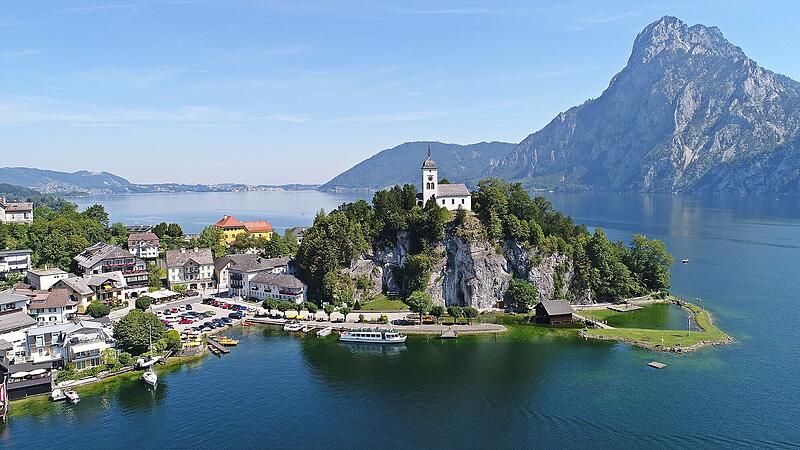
point(515, 390)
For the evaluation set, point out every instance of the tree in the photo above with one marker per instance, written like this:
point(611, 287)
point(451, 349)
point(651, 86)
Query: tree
point(344, 310)
point(297, 307)
point(173, 340)
point(444, 181)
point(419, 302)
point(521, 295)
point(98, 309)
point(470, 313)
point(135, 331)
point(97, 213)
point(650, 261)
point(174, 230)
point(118, 234)
point(311, 308)
point(269, 304)
point(455, 312)
point(437, 311)
point(154, 276)
point(329, 309)
point(211, 237)
point(143, 302)
point(283, 307)
point(180, 289)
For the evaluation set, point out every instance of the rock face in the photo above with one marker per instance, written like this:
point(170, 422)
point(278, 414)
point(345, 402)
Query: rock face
point(474, 272)
point(689, 112)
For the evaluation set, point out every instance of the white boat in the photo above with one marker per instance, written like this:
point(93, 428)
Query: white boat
point(72, 396)
point(143, 363)
point(307, 328)
point(293, 327)
point(685, 260)
point(324, 332)
point(57, 395)
point(372, 336)
point(149, 376)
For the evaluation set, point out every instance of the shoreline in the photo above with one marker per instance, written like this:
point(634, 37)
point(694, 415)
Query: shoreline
point(705, 324)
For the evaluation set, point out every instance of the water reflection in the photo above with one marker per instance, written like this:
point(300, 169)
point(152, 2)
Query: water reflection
point(374, 349)
point(137, 396)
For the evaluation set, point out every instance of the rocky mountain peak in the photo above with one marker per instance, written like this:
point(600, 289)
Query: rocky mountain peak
point(669, 37)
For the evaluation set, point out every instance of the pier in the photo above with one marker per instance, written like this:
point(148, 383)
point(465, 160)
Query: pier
point(216, 345)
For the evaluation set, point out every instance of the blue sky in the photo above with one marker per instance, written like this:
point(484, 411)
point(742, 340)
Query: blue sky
point(297, 91)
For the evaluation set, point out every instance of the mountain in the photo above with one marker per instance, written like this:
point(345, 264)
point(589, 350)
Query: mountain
point(84, 182)
point(401, 164)
point(689, 112)
point(51, 181)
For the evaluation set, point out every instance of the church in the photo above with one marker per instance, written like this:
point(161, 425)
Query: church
point(450, 196)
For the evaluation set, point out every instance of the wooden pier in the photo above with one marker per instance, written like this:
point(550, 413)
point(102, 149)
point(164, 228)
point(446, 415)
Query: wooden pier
point(449, 334)
point(219, 347)
point(656, 365)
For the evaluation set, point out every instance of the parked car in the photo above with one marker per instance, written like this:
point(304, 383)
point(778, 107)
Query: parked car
point(209, 313)
point(235, 315)
point(185, 321)
point(175, 310)
point(215, 303)
point(188, 307)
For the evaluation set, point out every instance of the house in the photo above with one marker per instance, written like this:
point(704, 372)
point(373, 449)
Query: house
point(79, 343)
point(79, 291)
point(192, 268)
point(223, 263)
point(103, 258)
point(10, 299)
point(553, 312)
point(14, 320)
point(278, 286)
point(144, 245)
point(11, 212)
point(44, 279)
point(450, 196)
point(298, 233)
point(232, 227)
point(110, 288)
point(55, 307)
point(241, 273)
point(15, 261)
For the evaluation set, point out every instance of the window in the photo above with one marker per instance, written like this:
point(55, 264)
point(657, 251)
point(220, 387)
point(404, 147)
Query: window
point(443, 201)
point(462, 201)
point(453, 201)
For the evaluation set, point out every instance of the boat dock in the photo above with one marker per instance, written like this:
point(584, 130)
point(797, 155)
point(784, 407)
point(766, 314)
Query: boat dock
point(625, 307)
point(656, 365)
point(449, 334)
point(216, 345)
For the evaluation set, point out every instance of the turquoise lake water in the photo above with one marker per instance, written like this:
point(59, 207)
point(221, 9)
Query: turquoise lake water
point(278, 391)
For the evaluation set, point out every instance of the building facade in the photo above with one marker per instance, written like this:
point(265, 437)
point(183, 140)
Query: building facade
point(193, 268)
point(144, 245)
point(450, 196)
point(12, 212)
point(44, 279)
point(104, 258)
point(55, 307)
point(277, 286)
point(231, 227)
point(242, 273)
point(15, 261)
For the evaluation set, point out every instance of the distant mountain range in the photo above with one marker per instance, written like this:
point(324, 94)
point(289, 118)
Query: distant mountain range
point(401, 164)
point(690, 112)
point(84, 182)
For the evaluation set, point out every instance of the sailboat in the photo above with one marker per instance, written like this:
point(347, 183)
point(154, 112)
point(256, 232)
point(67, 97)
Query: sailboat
point(149, 376)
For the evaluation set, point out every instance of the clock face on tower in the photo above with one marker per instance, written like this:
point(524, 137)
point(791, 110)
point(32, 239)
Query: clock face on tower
point(430, 177)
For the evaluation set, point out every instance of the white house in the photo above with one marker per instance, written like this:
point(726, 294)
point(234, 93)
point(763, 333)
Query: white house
point(104, 258)
point(242, 273)
point(10, 299)
point(15, 261)
point(15, 212)
point(278, 286)
point(144, 245)
point(79, 343)
point(44, 279)
point(450, 196)
point(192, 268)
point(55, 307)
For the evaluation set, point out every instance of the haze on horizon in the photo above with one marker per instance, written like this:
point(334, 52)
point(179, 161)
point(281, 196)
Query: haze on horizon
point(198, 91)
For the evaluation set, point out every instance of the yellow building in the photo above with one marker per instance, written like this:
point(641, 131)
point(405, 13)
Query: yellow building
point(232, 227)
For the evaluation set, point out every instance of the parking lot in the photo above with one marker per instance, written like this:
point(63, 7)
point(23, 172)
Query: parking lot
point(197, 315)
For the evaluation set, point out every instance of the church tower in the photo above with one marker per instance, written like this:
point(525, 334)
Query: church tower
point(430, 178)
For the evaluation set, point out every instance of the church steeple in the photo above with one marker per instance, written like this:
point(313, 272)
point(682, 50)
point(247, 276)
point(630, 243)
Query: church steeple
point(430, 177)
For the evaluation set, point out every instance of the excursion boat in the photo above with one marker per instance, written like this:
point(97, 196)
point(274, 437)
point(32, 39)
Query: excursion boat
point(72, 396)
point(293, 327)
point(372, 336)
point(324, 332)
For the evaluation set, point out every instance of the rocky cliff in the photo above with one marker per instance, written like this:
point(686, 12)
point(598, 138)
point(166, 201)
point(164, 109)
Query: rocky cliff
point(474, 272)
point(689, 112)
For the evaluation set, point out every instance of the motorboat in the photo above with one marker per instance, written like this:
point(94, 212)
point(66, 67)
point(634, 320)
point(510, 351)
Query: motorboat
point(685, 261)
point(72, 396)
point(324, 332)
point(293, 327)
point(372, 336)
point(57, 395)
point(149, 376)
point(228, 342)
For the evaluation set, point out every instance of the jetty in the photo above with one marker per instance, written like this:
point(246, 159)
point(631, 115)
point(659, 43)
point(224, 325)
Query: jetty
point(656, 365)
point(624, 307)
point(216, 345)
point(449, 334)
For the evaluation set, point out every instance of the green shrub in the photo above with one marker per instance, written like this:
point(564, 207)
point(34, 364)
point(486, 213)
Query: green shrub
point(98, 309)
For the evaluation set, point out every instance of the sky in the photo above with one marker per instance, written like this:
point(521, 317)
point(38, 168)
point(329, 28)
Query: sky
point(273, 92)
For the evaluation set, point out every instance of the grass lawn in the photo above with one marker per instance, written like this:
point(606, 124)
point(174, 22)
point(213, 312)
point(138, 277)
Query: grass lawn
point(382, 303)
point(665, 338)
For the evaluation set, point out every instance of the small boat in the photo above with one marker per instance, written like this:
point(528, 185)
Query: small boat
point(324, 332)
point(228, 342)
point(57, 395)
point(149, 376)
point(293, 327)
point(372, 336)
point(72, 396)
point(685, 261)
point(307, 328)
point(214, 350)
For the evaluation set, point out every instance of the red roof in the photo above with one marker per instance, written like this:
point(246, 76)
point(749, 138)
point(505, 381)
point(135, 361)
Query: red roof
point(261, 226)
point(229, 222)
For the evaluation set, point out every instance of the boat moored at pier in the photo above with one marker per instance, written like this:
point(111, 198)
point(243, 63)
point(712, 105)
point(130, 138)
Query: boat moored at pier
point(372, 336)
